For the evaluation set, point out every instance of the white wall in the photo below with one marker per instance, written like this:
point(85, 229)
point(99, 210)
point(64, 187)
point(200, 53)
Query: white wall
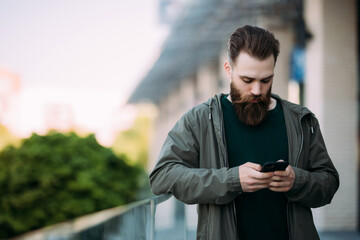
point(331, 93)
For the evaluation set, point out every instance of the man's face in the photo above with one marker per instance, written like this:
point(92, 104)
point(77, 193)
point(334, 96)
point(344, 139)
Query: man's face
point(251, 80)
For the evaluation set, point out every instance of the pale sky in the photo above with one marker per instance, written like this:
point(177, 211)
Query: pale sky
point(89, 54)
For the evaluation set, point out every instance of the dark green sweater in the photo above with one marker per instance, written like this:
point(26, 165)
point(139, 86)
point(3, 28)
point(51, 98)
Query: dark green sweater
point(262, 214)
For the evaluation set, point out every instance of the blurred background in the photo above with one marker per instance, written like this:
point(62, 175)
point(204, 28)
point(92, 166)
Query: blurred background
point(72, 65)
point(113, 77)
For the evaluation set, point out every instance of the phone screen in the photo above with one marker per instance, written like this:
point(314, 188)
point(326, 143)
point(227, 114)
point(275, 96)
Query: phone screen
point(274, 166)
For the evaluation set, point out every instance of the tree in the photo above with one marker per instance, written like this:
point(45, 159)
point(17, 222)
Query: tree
point(56, 177)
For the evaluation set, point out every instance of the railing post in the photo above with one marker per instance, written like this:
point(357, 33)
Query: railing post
point(185, 223)
point(152, 220)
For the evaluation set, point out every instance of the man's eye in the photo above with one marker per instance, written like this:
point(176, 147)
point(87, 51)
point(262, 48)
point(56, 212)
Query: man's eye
point(266, 80)
point(246, 80)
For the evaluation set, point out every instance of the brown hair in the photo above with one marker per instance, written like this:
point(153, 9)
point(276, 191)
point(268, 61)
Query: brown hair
point(257, 42)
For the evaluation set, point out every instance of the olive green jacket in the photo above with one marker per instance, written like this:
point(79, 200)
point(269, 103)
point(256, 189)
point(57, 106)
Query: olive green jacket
point(193, 166)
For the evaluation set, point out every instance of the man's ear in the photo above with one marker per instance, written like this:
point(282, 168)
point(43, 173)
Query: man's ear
point(227, 69)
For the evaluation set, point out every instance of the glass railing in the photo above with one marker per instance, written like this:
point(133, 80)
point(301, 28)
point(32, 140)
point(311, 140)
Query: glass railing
point(160, 217)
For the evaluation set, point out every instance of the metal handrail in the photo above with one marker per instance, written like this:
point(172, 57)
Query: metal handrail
point(73, 229)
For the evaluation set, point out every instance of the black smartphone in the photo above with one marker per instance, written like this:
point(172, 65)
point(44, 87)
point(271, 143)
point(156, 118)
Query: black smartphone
point(274, 166)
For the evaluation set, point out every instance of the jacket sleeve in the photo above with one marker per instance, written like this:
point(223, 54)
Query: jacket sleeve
point(316, 183)
point(177, 170)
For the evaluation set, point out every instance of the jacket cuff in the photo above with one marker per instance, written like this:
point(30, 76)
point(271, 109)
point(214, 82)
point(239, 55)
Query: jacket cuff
point(235, 179)
point(298, 182)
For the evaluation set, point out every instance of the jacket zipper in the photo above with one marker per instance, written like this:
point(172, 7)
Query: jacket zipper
point(301, 143)
point(296, 163)
point(222, 146)
point(225, 160)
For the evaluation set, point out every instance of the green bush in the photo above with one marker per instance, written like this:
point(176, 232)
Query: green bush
point(52, 178)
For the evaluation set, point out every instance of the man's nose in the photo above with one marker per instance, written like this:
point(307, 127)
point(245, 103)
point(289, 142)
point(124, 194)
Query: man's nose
point(256, 89)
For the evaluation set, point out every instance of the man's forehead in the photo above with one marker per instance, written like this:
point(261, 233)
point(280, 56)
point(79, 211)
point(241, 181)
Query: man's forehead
point(249, 66)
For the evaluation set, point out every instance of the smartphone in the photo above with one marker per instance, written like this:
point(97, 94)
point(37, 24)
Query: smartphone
point(274, 166)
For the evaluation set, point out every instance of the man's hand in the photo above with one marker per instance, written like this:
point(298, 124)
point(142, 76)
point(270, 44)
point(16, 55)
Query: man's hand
point(282, 181)
point(251, 179)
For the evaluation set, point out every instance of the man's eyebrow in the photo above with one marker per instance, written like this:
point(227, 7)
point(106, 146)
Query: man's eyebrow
point(271, 76)
point(251, 78)
point(243, 76)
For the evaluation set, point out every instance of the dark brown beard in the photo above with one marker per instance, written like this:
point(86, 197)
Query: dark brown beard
point(249, 113)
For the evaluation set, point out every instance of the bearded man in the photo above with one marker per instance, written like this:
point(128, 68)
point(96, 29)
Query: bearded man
point(214, 154)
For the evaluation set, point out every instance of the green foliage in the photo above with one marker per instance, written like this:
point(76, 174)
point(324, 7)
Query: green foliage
point(52, 178)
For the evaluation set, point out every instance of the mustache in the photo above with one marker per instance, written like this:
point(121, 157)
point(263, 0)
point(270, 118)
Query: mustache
point(239, 99)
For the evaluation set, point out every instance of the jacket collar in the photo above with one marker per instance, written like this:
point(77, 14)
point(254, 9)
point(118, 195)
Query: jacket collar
point(293, 113)
point(299, 110)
